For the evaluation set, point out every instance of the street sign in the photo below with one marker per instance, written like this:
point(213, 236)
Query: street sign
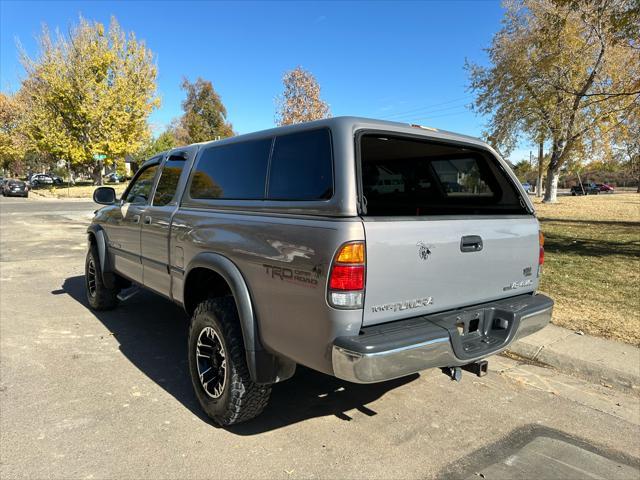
point(99, 156)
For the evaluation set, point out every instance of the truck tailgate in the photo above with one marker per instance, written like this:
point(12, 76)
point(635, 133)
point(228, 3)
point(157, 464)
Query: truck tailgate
point(421, 266)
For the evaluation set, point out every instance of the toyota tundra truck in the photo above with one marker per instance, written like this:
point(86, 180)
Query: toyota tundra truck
point(363, 249)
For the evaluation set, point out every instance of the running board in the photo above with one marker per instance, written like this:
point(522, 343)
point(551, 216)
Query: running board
point(125, 295)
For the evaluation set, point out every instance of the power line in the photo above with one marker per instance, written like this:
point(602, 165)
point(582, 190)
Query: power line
point(422, 118)
point(427, 107)
point(429, 112)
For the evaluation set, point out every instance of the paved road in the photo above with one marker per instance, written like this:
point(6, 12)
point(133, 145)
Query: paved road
point(106, 395)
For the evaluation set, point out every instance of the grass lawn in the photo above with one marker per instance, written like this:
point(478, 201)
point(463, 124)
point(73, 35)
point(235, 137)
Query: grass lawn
point(592, 263)
point(77, 191)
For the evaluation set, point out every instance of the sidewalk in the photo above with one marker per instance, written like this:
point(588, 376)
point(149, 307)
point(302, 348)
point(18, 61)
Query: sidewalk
point(606, 362)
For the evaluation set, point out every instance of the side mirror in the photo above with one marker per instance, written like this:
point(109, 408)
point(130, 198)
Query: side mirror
point(104, 195)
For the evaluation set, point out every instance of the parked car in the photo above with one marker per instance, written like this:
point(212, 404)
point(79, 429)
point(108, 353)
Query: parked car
point(605, 188)
point(15, 188)
point(114, 177)
point(56, 179)
point(585, 189)
point(527, 187)
point(280, 262)
point(40, 179)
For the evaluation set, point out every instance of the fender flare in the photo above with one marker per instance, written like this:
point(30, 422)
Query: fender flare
point(105, 264)
point(264, 367)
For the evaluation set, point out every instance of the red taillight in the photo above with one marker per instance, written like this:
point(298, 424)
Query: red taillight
point(347, 277)
point(541, 256)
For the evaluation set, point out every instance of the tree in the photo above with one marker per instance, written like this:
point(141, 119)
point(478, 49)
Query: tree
point(567, 71)
point(12, 145)
point(524, 170)
point(205, 117)
point(627, 142)
point(88, 93)
point(300, 101)
point(163, 142)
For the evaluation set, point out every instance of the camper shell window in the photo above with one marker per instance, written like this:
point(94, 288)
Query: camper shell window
point(407, 176)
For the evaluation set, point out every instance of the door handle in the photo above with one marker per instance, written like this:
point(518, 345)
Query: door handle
point(471, 243)
point(147, 220)
point(136, 219)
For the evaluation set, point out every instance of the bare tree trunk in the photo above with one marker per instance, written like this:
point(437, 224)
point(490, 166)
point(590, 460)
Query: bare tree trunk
point(551, 187)
point(540, 169)
point(96, 173)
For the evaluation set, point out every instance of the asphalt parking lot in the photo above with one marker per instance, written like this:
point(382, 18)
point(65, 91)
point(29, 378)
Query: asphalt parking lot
point(107, 395)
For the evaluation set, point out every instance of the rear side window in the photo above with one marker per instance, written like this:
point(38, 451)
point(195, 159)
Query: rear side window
point(168, 183)
point(237, 171)
point(403, 176)
point(302, 167)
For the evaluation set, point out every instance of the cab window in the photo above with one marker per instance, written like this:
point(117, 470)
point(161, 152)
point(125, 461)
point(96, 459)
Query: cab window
point(140, 189)
point(168, 183)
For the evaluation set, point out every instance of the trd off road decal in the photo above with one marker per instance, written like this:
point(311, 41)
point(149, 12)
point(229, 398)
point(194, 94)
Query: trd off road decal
point(294, 275)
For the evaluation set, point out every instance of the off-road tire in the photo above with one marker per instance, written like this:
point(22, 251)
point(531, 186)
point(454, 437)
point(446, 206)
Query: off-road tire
point(99, 296)
point(241, 399)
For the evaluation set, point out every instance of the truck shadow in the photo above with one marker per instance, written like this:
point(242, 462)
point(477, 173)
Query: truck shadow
point(152, 333)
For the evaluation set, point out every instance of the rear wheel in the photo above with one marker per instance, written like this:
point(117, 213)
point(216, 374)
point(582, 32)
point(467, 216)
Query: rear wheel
point(99, 296)
point(218, 366)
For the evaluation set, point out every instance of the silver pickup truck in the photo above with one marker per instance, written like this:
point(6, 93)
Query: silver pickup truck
point(363, 249)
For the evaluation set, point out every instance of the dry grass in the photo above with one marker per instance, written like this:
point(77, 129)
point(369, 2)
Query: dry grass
point(78, 191)
point(592, 263)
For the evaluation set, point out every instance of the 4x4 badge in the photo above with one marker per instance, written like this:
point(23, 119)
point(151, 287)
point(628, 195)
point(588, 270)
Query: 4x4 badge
point(423, 251)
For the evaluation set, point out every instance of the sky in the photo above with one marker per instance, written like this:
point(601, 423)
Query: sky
point(401, 61)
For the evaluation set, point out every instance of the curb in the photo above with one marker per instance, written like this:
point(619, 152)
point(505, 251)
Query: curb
point(33, 195)
point(607, 362)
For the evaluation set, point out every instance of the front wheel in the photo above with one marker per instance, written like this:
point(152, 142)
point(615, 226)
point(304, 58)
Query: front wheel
point(218, 366)
point(99, 296)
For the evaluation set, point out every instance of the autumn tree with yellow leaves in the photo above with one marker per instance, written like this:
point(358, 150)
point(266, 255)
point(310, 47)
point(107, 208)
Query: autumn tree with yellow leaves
point(300, 100)
point(12, 143)
point(89, 93)
point(563, 71)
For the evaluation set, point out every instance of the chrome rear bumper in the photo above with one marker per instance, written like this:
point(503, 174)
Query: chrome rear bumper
point(401, 348)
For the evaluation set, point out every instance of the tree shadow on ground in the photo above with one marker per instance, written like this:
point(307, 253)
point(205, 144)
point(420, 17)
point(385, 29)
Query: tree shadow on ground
point(152, 333)
point(565, 244)
point(616, 223)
